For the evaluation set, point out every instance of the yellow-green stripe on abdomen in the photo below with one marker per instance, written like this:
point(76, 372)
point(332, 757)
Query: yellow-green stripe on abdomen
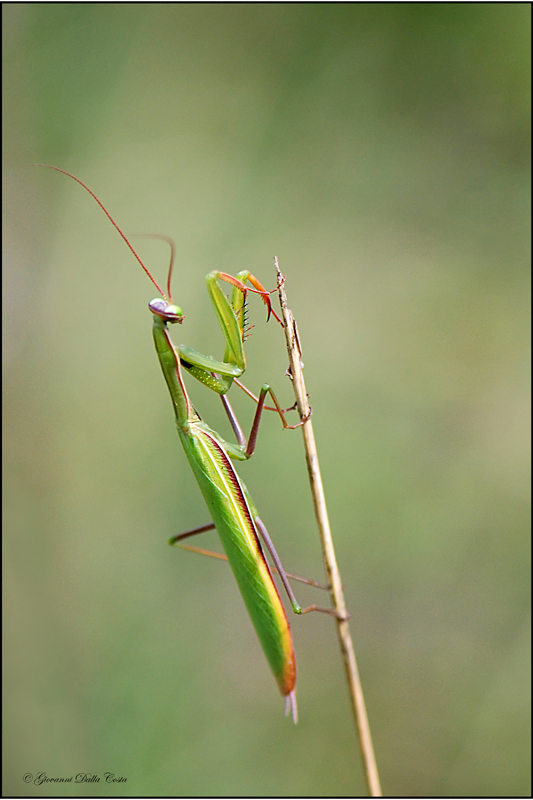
point(231, 514)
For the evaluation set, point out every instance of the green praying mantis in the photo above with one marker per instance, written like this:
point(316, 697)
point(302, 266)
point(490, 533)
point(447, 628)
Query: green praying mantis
point(232, 510)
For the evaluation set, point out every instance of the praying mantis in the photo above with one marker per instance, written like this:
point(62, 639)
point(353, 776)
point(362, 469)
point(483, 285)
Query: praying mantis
point(230, 505)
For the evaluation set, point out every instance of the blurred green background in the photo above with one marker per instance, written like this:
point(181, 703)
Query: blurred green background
point(381, 152)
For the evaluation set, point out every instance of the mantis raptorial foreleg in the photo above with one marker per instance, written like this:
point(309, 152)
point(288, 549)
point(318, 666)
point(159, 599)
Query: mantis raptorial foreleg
point(219, 375)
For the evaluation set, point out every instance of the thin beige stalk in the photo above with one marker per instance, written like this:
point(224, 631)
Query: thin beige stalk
point(330, 561)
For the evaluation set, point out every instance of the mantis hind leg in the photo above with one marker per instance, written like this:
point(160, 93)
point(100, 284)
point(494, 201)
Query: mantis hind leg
point(296, 607)
point(278, 568)
point(192, 532)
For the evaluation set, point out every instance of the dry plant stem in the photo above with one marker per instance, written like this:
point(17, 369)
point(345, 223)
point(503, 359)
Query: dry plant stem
point(330, 561)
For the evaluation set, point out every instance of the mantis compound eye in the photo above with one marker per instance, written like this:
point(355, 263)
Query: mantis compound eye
point(166, 311)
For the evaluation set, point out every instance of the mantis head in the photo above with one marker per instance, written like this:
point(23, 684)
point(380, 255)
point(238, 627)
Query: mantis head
point(166, 311)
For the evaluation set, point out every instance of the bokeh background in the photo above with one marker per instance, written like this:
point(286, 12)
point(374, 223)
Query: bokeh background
point(381, 152)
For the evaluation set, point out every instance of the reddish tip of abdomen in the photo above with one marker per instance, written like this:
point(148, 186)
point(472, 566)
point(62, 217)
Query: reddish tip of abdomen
point(287, 680)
